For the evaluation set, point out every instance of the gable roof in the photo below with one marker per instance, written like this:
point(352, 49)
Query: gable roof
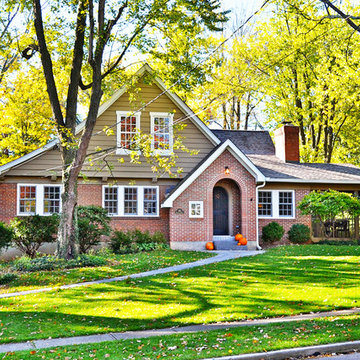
point(206, 162)
point(145, 68)
point(248, 141)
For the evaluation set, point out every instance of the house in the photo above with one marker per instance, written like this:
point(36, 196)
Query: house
point(238, 181)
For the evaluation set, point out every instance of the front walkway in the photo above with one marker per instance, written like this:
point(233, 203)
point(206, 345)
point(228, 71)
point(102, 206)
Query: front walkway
point(221, 256)
point(90, 339)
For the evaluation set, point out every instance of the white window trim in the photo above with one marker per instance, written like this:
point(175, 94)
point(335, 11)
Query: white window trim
point(275, 205)
point(119, 114)
point(140, 200)
point(153, 115)
point(39, 199)
point(201, 203)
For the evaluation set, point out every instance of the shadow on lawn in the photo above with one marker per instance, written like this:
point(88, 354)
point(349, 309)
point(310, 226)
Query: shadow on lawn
point(228, 291)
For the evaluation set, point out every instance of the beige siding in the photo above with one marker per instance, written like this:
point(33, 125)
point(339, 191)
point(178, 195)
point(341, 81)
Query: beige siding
point(50, 162)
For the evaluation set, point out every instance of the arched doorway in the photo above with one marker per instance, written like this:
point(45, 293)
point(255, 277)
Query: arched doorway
point(220, 211)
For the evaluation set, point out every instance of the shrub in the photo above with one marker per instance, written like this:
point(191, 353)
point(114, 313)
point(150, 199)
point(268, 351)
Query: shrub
point(93, 222)
point(30, 232)
point(272, 232)
point(134, 241)
point(6, 235)
point(299, 234)
point(338, 242)
point(7, 278)
point(25, 264)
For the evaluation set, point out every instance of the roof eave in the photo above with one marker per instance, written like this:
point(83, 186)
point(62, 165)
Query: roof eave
point(312, 181)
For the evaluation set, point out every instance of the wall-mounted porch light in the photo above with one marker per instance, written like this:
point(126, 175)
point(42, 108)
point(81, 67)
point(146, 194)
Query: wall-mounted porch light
point(227, 170)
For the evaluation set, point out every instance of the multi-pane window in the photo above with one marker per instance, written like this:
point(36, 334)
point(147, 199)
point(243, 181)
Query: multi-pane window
point(127, 126)
point(130, 201)
point(111, 200)
point(161, 131)
point(276, 203)
point(27, 199)
point(150, 201)
point(52, 199)
point(120, 200)
point(285, 203)
point(41, 199)
point(196, 209)
point(265, 203)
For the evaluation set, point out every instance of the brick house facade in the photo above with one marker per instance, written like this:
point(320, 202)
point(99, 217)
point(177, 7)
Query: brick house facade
point(238, 181)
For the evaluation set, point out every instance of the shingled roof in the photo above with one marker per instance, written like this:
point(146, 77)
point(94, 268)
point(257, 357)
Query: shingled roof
point(259, 148)
point(248, 141)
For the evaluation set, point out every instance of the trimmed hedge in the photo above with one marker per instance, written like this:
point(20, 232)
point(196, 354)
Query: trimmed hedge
point(134, 241)
point(299, 234)
point(272, 232)
point(25, 264)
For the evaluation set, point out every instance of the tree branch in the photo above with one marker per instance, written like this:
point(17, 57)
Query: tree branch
point(47, 65)
point(73, 89)
point(347, 18)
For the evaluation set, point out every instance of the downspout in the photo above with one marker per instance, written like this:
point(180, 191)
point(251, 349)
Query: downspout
point(258, 247)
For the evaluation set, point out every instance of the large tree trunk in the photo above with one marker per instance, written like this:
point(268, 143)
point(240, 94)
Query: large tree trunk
point(67, 244)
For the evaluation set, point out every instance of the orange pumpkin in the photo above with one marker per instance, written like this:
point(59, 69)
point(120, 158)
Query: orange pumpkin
point(209, 245)
point(243, 241)
point(238, 237)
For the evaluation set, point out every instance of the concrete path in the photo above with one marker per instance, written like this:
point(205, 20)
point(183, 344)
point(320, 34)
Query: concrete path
point(89, 339)
point(352, 356)
point(221, 256)
point(301, 352)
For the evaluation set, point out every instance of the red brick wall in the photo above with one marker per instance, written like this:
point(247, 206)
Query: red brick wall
point(287, 223)
point(7, 202)
point(183, 228)
point(90, 194)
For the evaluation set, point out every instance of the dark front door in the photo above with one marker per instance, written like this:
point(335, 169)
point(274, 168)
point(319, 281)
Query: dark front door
point(221, 211)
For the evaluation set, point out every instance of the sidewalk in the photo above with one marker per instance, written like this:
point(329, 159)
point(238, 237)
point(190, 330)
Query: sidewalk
point(221, 256)
point(77, 340)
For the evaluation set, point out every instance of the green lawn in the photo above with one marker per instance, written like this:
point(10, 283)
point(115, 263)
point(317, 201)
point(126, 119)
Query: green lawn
point(118, 265)
point(284, 281)
point(211, 344)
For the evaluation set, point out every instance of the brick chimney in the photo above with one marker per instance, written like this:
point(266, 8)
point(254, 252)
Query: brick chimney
point(286, 140)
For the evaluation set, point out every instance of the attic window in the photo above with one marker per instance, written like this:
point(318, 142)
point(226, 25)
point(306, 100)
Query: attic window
point(128, 125)
point(162, 132)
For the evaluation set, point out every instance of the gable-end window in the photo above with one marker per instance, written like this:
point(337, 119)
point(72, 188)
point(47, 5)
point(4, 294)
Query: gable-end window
point(276, 204)
point(38, 199)
point(131, 200)
point(127, 127)
point(162, 133)
point(196, 209)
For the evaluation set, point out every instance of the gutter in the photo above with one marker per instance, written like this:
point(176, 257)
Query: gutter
point(258, 247)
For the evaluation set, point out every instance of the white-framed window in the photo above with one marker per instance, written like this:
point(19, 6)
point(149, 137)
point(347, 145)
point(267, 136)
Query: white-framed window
point(122, 200)
point(276, 204)
point(128, 125)
point(41, 199)
point(162, 132)
point(196, 209)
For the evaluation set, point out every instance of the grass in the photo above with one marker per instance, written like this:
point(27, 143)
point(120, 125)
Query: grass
point(284, 281)
point(211, 344)
point(118, 265)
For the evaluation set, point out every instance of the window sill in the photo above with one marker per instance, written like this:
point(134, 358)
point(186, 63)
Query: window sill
point(277, 218)
point(127, 152)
